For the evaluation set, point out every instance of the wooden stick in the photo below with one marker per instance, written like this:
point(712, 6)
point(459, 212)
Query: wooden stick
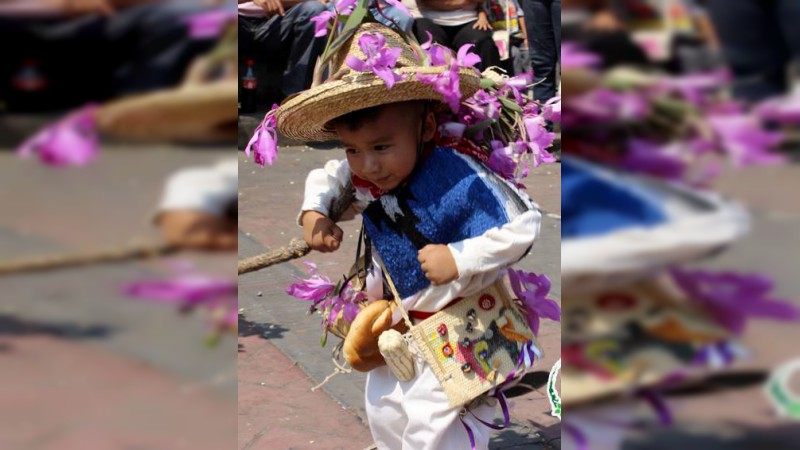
point(116, 254)
point(297, 248)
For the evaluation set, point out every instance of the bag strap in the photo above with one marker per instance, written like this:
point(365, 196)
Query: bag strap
point(396, 296)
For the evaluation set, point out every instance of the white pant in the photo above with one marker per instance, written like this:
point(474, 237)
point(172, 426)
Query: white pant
point(415, 415)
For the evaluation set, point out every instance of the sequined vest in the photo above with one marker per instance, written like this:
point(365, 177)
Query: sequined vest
point(450, 197)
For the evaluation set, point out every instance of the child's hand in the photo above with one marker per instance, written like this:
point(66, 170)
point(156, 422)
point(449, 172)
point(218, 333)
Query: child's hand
point(438, 264)
point(483, 22)
point(321, 233)
point(197, 230)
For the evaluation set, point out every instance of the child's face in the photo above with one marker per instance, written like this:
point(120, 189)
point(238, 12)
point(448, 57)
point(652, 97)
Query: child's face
point(383, 150)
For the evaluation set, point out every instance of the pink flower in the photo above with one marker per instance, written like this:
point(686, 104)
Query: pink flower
point(188, 290)
point(316, 289)
point(209, 24)
point(447, 84)
point(654, 159)
point(485, 105)
point(321, 22)
point(532, 290)
point(72, 141)
point(345, 7)
point(436, 53)
point(574, 56)
point(745, 141)
point(380, 60)
point(466, 59)
point(515, 84)
point(732, 298)
point(552, 110)
point(694, 87)
point(780, 109)
point(606, 105)
point(503, 160)
point(264, 143)
point(347, 302)
point(539, 139)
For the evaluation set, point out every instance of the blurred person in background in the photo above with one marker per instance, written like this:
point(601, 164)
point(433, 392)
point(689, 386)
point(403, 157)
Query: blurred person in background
point(543, 23)
point(281, 32)
point(599, 26)
point(454, 23)
point(72, 51)
point(198, 209)
point(759, 40)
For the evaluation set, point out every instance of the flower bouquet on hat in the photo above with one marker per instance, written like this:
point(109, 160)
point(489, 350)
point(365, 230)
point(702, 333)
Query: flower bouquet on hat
point(672, 127)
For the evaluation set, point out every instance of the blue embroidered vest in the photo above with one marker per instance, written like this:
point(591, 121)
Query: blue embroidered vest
point(448, 198)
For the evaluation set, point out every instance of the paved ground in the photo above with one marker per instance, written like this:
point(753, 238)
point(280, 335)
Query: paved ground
point(81, 366)
point(270, 320)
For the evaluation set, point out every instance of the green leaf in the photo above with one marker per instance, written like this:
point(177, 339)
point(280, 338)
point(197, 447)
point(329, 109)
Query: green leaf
point(353, 21)
point(212, 340)
point(324, 339)
point(487, 83)
point(512, 105)
point(472, 130)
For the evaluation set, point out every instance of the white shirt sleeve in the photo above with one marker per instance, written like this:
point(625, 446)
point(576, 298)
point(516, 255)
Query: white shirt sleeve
point(480, 260)
point(325, 184)
point(209, 189)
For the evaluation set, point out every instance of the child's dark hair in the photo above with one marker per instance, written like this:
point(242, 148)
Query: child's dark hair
point(357, 119)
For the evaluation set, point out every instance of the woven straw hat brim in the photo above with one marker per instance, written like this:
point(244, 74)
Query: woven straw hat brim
point(305, 116)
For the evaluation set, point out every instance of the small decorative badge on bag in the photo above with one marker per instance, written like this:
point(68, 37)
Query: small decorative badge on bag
point(552, 392)
point(786, 402)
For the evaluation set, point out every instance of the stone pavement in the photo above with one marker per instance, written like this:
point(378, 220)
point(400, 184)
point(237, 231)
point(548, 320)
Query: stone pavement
point(80, 365)
point(280, 357)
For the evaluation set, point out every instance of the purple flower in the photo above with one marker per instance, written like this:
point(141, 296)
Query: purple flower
point(532, 290)
point(694, 87)
point(515, 83)
point(653, 159)
point(485, 105)
point(189, 290)
point(574, 56)
point(209, 24)
point(552, 110)
point(264, 142)
point(72, 141)
point(347, 302)
point(538, 139)
point(447, 84)
point(345, 7)
point(316, 289)
point(321, 22)
point(503, 160)
point(437, 54)
point(466, 59)
point(380, 60)
point(732, 298)
point(606, 105)
point(784, 110)
point(744, 140)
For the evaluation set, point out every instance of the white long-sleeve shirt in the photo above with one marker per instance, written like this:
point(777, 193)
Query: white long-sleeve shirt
point(480, 260)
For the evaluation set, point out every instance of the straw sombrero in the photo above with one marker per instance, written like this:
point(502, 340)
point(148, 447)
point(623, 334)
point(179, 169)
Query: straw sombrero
point(305, 116)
